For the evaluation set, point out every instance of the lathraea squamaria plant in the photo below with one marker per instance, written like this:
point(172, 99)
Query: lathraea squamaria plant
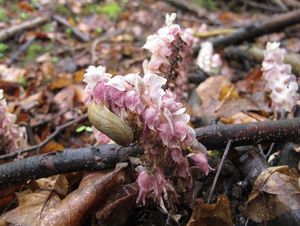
point(279, 79)
point(137, 108)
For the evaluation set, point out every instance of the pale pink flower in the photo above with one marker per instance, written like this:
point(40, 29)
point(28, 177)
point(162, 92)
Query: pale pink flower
point(200, 161)
point(279, 79)
point(152, 185)
point(207, 60)
point(93, 75)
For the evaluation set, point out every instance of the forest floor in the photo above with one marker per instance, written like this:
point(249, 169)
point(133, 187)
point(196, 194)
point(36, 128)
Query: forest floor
point(45, 49)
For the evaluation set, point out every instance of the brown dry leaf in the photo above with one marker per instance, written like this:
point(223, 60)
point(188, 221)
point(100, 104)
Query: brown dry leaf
point(12, 74)
point(10, 88)
point(253, 82)
point(238, 118)
point(52, 145)
point(32, 207)
point(65, 98)
point(212, 214)
point(79, 75)
point(221, 99)
point(48, 69)
point(32, 101)
point(58, 183)
point(275, 192)
point(65, 79)
point(92, 190)
point(230, 107)
point(118, 206)
point(211, 88)
point(228, 93)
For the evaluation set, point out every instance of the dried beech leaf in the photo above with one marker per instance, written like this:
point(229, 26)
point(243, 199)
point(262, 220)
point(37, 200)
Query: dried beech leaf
point(58, 183)
point(118, 206)
point(32, 207)
point(209, 91)
point(73, 208)
point(212, 214)
point(52, 145)
point(275, 192)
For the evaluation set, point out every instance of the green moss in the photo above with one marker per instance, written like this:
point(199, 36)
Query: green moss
point(34, 51)
point(112, 9)
point(3, 16)
point(62, 9)
point(24, 16)
point(208, 4)
point(3, 48)
point(48, 27)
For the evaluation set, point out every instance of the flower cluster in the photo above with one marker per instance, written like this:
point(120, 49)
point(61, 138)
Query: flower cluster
point(12, 136)
point(279, 79)
point(159, 122)
point(208, 61)
point(171, 48)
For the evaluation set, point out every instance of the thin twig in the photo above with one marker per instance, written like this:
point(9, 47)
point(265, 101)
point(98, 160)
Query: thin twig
point(78, 34)
point(70, 160)
point(11, 31)
point(57, 130)
point(256, 54)
point(228, 146)
point(14, 56)
point(257, 29)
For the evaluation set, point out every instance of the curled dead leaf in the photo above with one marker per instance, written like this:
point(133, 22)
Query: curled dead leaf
point(275, 192)
point(73, 208)
point(212, 214)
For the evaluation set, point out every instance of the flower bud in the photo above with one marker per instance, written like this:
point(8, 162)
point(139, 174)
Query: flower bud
point(110, 124)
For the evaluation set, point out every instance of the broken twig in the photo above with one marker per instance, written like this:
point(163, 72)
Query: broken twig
point(217, 136)
point(219, 170)
point(57, 130)
point(257, 29)
point(11, 31)
point(257, 55)
point(78, 34)
point(70, 160)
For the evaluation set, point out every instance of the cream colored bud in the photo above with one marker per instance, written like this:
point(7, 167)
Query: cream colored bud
point(110, 124)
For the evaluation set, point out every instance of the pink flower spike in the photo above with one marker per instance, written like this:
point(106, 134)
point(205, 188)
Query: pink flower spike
point(200, 161)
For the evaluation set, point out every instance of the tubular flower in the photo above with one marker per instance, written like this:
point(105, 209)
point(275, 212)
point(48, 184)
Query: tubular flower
point(12, 136)
point(279, 79)
point(207, 60)
point(200, 161)
point(152, 185)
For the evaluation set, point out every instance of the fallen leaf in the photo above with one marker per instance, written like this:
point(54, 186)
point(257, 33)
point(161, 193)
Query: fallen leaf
point(11, 74)
point(212, 214)
point(93, 189)
point(65, 79)
point(52, 145)
point(58, 183)
point(275, 192)
point(32, 207)
point(118, 206)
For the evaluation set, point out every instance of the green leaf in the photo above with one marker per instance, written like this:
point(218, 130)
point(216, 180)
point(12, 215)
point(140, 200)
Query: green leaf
point(80, 129)
point(89, 129)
